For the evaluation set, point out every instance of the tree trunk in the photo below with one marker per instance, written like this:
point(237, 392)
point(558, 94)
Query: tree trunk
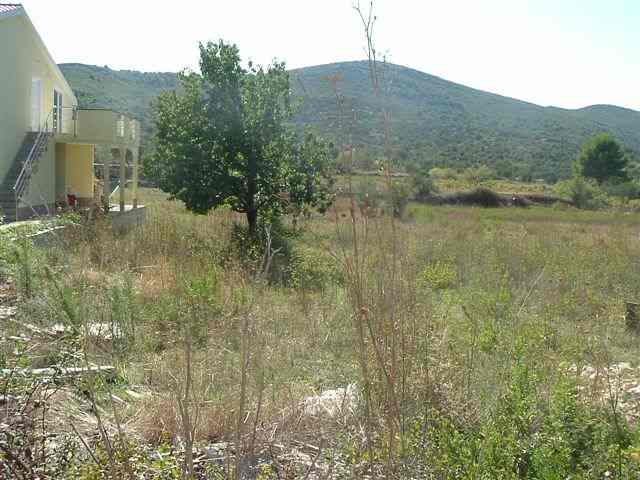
point(252, 187)
point(252, 221)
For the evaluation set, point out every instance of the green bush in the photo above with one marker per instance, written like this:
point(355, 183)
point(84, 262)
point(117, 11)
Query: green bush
point(584, 193)
point(400, 196)
point(22, 259)
point(443, 173)
point(368, 196)
point(250, 250)
point(634, 205)
point(527, 437)
point(626, 190)
point(423, 185)
point(312, 269)
point(477, 175)
point(439, 275)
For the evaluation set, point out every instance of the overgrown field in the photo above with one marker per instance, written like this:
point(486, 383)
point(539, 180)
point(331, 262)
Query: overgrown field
point(457, 343)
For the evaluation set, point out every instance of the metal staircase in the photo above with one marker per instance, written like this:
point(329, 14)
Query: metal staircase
point(25, 165)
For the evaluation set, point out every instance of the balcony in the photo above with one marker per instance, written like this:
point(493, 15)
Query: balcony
point(94, 126)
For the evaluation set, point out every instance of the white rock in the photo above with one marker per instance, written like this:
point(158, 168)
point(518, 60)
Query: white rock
point(136, 395)
point(621, 367)
point(7, 312)
point(635, 390)
point(105, 331)
point(332, 402)
point(58, 329)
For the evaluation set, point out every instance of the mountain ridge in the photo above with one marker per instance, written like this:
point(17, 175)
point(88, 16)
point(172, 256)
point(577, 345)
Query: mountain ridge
point(437, 77)
point(436, 122)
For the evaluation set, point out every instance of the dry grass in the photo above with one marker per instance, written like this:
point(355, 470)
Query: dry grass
point(450, 302)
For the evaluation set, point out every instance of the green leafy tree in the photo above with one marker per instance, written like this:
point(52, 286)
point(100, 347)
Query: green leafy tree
point(311, 179)
point(633, 166)
point(505, 168)
point(603, 159)
point(421, 181)
point(223, 139)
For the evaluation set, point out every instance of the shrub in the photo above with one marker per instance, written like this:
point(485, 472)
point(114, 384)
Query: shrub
point(368, 196)
point(479, 174)
point(439, 275)
point(584, 193)
point(443, 173)
point(311, 269)
point(561, 437)
point(251, 249)
point(423, 185)
point(22, 258)
point(400, 195)
point(625, 190)
point(634, 205)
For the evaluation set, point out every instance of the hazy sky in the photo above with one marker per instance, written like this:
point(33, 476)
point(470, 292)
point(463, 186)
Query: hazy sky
point(568, 53)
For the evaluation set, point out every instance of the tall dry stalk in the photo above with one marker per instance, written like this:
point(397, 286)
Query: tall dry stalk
point(354, 268)
point(242, 400)
point(392, 323)
point(184, 399)
point(371, 265)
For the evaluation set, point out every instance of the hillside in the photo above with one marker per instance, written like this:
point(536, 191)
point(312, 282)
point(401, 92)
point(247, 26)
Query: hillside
point(435, 122)
point(444, 123)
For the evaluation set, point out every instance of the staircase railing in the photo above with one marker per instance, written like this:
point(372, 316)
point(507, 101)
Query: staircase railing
point(27, 168)
point(42, 135)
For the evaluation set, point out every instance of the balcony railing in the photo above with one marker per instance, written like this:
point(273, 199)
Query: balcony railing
point(97, 126)
point(63, 120)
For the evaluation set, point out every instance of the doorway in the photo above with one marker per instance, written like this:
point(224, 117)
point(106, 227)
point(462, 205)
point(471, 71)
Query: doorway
point(36, 104)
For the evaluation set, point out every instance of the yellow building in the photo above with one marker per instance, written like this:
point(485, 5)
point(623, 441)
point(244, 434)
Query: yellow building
point(47, 142)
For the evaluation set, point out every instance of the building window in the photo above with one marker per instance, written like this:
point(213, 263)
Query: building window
point(57, 111)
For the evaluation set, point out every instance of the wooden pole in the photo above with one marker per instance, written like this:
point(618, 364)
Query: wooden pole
point(123, 176)
point(106, 182)
point(136, 166)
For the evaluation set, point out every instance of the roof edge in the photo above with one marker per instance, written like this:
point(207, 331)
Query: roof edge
point(54, 66)
point(19, 10)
